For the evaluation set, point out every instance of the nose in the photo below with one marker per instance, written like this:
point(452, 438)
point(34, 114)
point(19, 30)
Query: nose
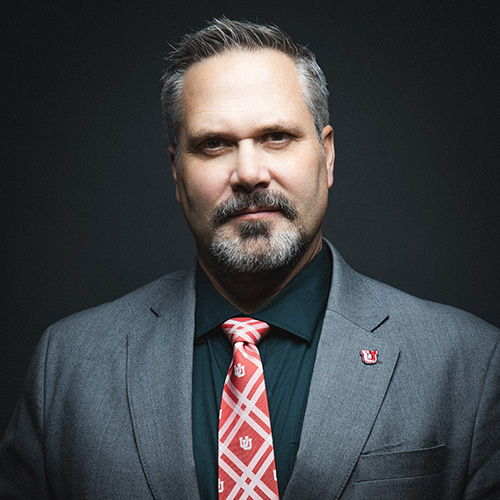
point(249, 172)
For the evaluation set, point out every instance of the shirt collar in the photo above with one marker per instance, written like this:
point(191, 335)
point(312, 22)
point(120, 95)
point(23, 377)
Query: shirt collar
point(297, 309)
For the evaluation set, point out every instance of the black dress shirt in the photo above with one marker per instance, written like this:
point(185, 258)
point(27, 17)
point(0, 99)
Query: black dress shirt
point(288, 352)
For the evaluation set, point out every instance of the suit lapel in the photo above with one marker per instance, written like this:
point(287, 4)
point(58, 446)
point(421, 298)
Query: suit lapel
point(345, 393)
point(159, 384)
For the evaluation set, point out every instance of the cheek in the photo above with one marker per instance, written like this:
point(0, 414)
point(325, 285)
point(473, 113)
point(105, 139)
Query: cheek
point(304, 182)
point(202, 192)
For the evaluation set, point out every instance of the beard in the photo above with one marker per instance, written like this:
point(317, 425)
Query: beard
point(254, 247)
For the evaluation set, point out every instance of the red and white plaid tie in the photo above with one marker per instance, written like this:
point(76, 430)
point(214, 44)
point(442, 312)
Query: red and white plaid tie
point(246, 455)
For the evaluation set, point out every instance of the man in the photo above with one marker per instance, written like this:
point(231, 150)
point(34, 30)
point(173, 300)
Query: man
point(371, 393)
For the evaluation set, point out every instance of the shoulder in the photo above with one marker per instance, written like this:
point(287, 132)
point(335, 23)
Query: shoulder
point(113, 320)
point(404, 318)
point(410, 310)
point(435, 334)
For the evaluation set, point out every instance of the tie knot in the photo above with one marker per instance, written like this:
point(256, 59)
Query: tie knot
point(247, 330)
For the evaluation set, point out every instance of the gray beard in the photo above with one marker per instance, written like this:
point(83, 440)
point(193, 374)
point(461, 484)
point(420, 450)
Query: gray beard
point(265, 254)
point(256, 249)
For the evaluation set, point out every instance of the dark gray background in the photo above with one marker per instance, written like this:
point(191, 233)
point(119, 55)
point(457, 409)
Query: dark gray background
point(88, 203)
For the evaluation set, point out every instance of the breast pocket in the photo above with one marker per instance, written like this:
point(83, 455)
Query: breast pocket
point(414, 474)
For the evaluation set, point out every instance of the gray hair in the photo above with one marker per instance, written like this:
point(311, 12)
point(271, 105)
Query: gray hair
point(222, 35)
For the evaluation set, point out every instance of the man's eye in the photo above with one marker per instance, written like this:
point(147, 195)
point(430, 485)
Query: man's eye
point(278, 136)
point(213, 144)
point(278, 139)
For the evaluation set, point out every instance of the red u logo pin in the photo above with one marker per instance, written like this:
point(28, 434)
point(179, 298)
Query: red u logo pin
point(369, 356)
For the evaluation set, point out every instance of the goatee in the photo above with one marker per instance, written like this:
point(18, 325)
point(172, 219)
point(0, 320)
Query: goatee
point(256, 248)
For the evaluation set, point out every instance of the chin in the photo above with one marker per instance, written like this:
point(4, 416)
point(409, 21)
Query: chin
point(257, 248)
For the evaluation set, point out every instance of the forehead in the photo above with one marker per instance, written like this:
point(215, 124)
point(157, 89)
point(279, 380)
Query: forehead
point(243, 88)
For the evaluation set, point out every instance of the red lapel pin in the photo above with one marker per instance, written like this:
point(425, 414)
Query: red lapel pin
point(370, 357)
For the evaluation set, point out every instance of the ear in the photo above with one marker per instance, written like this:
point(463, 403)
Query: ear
point(173, 165)
point(327, 138)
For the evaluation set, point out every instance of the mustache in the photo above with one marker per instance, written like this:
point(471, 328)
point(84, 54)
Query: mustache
point(257, 199)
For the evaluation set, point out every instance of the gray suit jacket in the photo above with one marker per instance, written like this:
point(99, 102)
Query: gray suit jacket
point(106, 410)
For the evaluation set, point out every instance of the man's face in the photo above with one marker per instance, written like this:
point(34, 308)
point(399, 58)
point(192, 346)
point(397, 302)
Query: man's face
point(251, 175)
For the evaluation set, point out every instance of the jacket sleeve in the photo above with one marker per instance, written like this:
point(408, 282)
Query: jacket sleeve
point(484, 467)
point(22, 461)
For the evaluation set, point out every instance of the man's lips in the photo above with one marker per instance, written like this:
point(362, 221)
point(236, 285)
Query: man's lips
point(254, 212)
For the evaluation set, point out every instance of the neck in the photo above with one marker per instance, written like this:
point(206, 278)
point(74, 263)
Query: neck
point(249, 292)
